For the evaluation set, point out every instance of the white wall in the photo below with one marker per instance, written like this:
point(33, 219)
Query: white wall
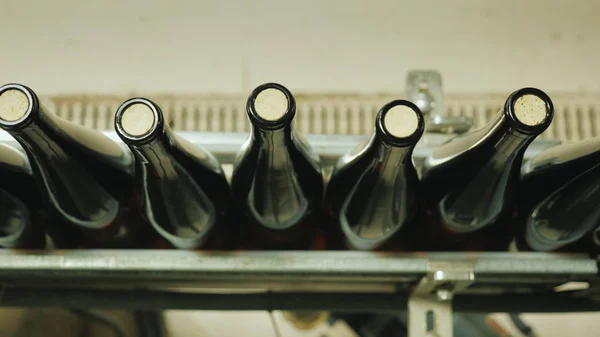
point(339, 45)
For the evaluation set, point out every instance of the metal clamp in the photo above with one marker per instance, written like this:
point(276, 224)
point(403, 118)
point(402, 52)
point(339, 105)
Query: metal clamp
point(430, 304)
point(424, 88)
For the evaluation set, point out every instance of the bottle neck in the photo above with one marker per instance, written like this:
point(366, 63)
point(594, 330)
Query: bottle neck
point(276, 199)
point(274, 146)
point(186, 223)
point(379, 202)
point(507, 143)
point(490, 173)
point(272, 138)
point(389, 159)
point(156, 155)
point(45, 130)
point(39, 119)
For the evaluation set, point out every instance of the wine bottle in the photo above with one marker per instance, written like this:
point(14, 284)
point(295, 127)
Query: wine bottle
point(184, 192)
point(85, 177)
point(373, 195)
point(17, 176)
point(16, 226)
point(19, 202)
point(25, 223)
point(553, 168)
point(470, 181)
point(558, 195)
point(277, 183)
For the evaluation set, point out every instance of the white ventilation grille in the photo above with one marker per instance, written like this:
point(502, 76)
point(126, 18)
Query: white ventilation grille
point(577, 115)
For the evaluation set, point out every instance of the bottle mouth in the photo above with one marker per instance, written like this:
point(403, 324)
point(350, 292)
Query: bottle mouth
point(271, 106)
point(531, 109)
point(16, 104)
point(400, 123)
point(137, 120)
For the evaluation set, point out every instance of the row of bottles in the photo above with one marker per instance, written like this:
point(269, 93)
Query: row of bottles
point(77, 188)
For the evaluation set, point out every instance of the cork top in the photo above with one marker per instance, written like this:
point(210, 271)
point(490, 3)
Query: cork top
point(530, 110)
point(271, 104)
point(401, 121)
point(137, 120)
point(14, 105)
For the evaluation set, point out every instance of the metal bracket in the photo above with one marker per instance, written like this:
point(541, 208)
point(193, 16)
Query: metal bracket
point(430, 304)
point(424, 88)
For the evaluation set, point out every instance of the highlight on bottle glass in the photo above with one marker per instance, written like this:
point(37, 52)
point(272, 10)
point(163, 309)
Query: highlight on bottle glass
point(271, 105)
point(16, 104)
point(137, 119)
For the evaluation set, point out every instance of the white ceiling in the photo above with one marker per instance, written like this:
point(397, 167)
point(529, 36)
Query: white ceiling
point(338, 45)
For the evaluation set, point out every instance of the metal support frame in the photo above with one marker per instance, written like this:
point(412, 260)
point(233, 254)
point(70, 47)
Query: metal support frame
point(430, 304)
point(351, 282)
point(424, 88)
point(341, 302)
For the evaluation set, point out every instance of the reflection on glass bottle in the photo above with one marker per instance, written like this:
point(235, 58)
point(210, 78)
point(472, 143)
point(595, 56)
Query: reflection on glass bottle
point(23, 220)
point(18, 202)
point(373, 194)
point(277, 182)
point(85, 176)
point(469, 182)
point(17, 229)
point(183, 188)
point(558, 195)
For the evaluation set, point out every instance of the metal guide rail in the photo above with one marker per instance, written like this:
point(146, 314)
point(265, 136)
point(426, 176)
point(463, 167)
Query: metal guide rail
point(424, 284)
point(243, 269)
point(277, 271)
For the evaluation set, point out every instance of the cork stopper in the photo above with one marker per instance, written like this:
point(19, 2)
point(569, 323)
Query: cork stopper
point(530, 110)
point(137, 120)
point(14, 105)
point(271, 104)
point(401, 121)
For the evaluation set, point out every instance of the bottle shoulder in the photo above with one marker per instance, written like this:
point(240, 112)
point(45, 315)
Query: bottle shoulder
point(199, 155)
point(566, 214)
point(578, 156)
point(186, 223)
point(455, 149)
point(555, 167)
point(13, 160)
point(91, 142)
point(275, 183)
point(349, 168)
point(290, 153)
point(373, 199)
point(365, 169)
point(304, 146)
point(172, 159)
